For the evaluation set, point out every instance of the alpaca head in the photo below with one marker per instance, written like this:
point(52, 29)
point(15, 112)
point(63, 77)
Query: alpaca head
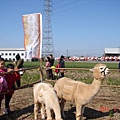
point(100, 71)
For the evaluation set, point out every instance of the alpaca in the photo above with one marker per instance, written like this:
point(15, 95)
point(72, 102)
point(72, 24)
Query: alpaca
point(45, 98)
point(79, 92)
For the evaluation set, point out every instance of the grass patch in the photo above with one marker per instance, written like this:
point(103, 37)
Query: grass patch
point(110, 65)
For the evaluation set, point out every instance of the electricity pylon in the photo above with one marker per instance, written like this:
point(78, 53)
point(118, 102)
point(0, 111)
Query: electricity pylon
point(47, 43)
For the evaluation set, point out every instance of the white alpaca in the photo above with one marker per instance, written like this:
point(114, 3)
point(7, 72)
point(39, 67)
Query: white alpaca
point(79, 92)
point(45, 98)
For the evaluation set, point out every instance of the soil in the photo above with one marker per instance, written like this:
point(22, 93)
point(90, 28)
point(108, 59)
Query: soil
point(104, 106)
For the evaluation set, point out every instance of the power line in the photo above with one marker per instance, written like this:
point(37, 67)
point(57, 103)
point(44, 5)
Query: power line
point(72, 7)
point(15, 26)
point(66, 4)
point(57, 2)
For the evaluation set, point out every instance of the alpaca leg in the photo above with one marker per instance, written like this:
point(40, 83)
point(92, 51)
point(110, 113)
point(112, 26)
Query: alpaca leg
point(57, 113)
point(48, 111)
point(78, 112)
point(62, 104)
point(82, 111)
point(36, 109)
point(52, 113)
point(42, 111)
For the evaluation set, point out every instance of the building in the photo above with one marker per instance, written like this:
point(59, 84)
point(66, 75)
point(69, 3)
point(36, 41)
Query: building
point(10, 53)
point(112, 51)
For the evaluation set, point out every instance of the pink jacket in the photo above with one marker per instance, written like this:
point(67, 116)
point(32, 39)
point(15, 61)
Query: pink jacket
point(3, 83)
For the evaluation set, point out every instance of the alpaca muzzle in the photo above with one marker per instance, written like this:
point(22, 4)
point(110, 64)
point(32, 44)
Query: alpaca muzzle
point(105, 72)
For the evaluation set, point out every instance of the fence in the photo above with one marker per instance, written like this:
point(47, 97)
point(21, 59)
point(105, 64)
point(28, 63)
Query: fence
point(99, 98)
point(43, 80)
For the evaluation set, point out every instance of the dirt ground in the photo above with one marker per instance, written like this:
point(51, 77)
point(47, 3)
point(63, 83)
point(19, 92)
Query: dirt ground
point(105, 106)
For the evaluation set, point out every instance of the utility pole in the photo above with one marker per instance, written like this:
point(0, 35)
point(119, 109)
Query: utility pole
point(67, 53)
point(47, 43)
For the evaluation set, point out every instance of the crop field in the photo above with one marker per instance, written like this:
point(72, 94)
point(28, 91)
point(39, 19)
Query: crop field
point(79, 64)
point(105, 105)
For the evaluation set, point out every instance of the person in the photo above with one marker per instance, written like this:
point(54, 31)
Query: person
point(119, 66)
point(61, 65)
point(51, 64)
point(3, 88)
point(18, 65)
point(57, 71)
point(11, 79)
point(3, 83)
point(2, 64)
point(51, 60)
point(47, 65)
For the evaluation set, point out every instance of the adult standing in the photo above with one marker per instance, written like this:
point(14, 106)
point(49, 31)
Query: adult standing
point(62, 65)
point(51, 64)
point(18, 65)
point(119, 66)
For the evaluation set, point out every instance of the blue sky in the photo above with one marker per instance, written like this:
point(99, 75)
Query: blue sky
point(80, 27)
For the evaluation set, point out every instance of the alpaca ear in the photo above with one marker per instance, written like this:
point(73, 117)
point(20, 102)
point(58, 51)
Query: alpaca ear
point(92, 69)
point(50, 86)
point(42, 87)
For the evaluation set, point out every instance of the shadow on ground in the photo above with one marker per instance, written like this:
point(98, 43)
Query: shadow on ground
point(89, 113)
point(16, 115)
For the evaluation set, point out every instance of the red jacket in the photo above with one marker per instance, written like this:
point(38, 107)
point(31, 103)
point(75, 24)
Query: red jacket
point(17, 74)
point(11, 79)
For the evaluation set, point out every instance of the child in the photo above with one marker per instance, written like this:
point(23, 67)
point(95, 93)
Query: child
point(51, 64)
point(11, 79)
point(3, 88)
point(2, 64)
point(3, 83)
point(47, 65)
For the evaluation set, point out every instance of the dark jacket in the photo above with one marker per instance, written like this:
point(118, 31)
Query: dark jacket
point(51, 61)
point(62, 64)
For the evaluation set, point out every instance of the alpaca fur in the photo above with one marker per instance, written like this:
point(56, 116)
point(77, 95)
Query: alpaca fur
point(79, 92)
point(45, 98)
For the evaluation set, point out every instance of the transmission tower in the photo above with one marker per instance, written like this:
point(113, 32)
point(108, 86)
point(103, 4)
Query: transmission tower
point(47, 43)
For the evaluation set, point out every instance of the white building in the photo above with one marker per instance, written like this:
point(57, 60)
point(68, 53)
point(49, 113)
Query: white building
point(10, 53)
point(112, 51)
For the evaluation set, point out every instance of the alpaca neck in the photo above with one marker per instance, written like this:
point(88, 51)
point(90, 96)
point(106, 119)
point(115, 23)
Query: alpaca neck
point(95, 86)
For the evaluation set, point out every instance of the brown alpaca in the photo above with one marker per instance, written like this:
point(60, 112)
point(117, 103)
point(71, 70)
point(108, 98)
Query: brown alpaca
point(46, 99)
point(79, 92)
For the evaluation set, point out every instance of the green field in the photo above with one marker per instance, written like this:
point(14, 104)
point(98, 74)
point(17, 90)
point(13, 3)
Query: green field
point(110, 65)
